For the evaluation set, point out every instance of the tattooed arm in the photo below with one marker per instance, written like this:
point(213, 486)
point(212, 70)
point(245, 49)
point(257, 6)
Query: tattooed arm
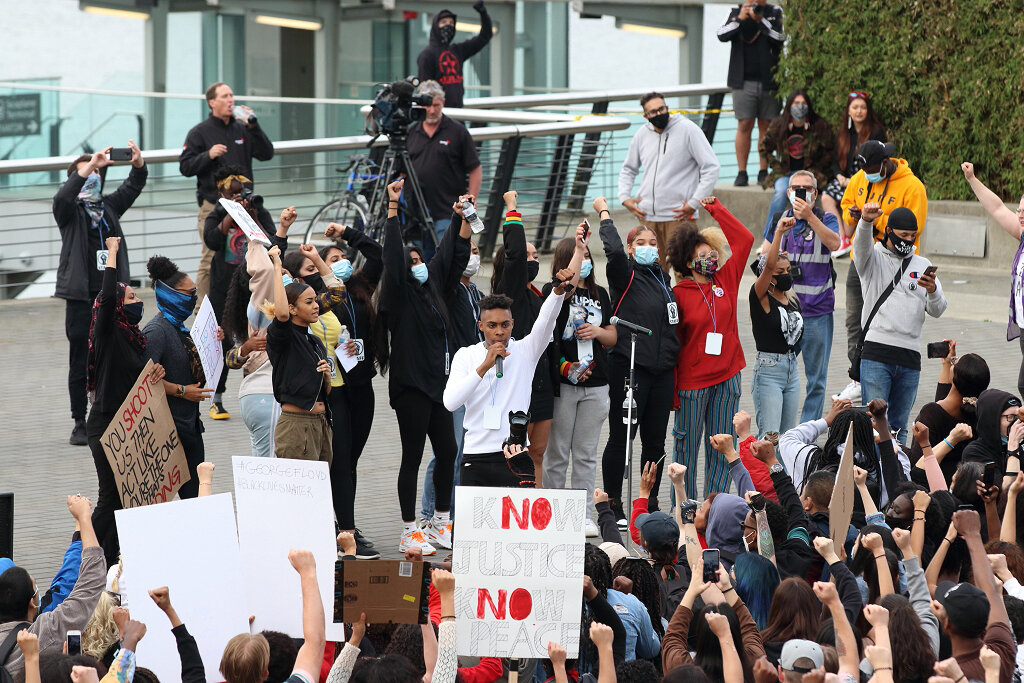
point(765, 543)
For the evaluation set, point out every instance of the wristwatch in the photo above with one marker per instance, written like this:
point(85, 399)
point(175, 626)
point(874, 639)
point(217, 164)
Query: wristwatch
point(181, 390)
point(777, 468)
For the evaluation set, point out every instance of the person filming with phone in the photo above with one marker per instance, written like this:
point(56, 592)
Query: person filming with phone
point(898, 287)
point(492, 379)
point(86, 218)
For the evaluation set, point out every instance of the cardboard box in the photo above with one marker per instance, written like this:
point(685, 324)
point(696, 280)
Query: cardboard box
point(388, 591)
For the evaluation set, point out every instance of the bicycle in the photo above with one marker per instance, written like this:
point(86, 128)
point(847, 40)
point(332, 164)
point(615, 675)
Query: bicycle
point(348, 206)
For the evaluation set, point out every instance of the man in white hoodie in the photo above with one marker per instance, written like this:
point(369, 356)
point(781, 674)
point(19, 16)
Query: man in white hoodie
point(890, 364)
point(679, 169)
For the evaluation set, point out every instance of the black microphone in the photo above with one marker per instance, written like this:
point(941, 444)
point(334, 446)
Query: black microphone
point(616, 320)
point(497, 366)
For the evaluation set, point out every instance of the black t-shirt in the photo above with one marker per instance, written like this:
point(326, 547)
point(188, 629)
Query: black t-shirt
point(795, 143)
point(749, 33)
point(441, 163)
point(598, 309)
point(779, 330)
point(96, 245)
point(891, 355)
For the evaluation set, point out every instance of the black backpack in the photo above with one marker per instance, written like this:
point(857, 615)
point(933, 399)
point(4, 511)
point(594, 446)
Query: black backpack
point(6, 648)
point(672, 590)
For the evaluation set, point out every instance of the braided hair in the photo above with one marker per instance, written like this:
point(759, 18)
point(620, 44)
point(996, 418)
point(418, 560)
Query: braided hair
point(827, 458)
point(645, 587)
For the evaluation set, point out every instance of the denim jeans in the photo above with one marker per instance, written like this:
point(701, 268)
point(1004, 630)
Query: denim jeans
point(816, 347)
point(260, 413)
point(776, 392)
point(779, 204)
point(440, 227)
point(427, 500)
point(894, 383)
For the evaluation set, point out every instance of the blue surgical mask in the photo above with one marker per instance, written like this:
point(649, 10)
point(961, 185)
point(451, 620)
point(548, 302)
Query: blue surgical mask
point(342, 269)
point(256, 317)
point(586, 268)
point(1004, 439)
point(646, 255)
point(286, 278)
point(419, 271)
point(874, 177)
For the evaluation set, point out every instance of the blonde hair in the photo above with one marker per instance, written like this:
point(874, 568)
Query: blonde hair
point(101, 632)
point(246, 659)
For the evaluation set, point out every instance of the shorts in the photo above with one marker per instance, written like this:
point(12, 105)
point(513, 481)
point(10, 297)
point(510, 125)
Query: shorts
point(303, 436)
point(755, 102)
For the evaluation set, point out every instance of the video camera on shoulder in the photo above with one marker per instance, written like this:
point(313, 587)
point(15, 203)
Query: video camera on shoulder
point(396, 107)
point(517, 421)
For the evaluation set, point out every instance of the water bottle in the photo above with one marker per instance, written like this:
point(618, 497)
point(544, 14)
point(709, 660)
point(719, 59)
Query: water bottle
point(344, 336)
point(578, 371)
point(472, 217)
point(242, 115)
point(579, 316)
point(626, 406)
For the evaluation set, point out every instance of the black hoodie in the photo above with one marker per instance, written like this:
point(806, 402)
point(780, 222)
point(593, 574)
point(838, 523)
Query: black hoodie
point(443, 62)
point(988, 444)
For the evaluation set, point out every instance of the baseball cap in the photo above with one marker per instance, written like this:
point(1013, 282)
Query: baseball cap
point(966, 606)
point(659, 530)
point(874, 152)
point(801, 656)
point(902, 218)
point(614, 551)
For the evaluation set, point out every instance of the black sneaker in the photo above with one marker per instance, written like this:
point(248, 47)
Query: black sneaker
point(762, 176)
point(362, 540)
point(364, 551)
point(620, 514)
point(78, 436)
point(741, 179)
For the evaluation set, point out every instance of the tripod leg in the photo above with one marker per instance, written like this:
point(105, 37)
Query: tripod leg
point(420, 204)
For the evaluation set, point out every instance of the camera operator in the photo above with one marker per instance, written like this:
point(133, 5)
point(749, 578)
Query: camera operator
point(443, 153)
point(229, 136)
point(228, 244)
point(86, 218)
point(474, 381)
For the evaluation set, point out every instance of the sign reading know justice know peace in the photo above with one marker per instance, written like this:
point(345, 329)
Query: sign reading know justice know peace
point(142, 446)
point(518, 565)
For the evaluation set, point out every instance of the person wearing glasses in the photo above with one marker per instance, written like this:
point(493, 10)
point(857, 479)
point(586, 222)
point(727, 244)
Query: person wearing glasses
point(859, 124)
point(1013, 224)
point(809, 245)
point(168, 343)
point(678, 168)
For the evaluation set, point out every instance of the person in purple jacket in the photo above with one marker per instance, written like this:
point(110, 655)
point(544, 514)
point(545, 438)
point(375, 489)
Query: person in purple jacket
point(809, 245)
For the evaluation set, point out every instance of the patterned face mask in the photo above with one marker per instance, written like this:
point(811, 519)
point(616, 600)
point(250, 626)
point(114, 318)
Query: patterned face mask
point(706, 265)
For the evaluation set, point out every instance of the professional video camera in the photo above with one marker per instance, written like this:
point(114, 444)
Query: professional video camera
point(396, 107)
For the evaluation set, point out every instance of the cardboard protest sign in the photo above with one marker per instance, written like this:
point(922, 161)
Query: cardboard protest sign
point(284, 504)
point(204, 334)
point(191, 547)
point(840, 508)
point(245, 222)
point(142, 446)
point(387, 591)
point(518, 565)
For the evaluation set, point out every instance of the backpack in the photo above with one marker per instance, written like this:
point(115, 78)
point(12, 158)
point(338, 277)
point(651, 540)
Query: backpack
point(672, 590)
point(6, 648)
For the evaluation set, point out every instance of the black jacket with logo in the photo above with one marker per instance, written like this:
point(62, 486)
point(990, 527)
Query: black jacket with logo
point(243, 143)
point(443, 63)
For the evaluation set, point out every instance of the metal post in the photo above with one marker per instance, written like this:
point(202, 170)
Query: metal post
point(585, 166)
point(710, 122)
point(553, 193)
point(7, 525)
point(503, 172)
point(628, 469)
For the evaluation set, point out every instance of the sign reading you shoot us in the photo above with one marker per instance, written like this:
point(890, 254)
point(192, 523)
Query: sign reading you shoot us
point(518, 565)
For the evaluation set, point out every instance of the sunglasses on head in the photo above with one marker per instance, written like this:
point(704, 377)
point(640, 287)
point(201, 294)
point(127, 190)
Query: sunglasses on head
point(862, 95)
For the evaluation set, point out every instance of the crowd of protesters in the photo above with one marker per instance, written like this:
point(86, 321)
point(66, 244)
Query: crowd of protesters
point(748, 579)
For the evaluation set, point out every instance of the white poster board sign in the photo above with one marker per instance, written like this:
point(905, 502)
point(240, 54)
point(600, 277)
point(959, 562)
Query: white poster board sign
point(284, 504)
point(518, 565)
point(191, 547)
point(245, 222)
point(204, 334)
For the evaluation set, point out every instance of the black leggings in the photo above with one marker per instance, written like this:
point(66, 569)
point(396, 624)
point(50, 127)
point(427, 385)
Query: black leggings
point(195, 453)
point(107, 500)
point(352, 411)
point(418, 418)
point(653, 397)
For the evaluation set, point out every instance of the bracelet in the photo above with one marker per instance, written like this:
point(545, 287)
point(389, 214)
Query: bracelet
point(879, 557)
point(946, 441)
point(882, 668)
point(946, 540)
point(450, 616)
point(918, 519)
point(604, 211)
point(730, 588)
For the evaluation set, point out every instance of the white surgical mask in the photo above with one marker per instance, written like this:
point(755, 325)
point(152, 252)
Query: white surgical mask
point(473, 266)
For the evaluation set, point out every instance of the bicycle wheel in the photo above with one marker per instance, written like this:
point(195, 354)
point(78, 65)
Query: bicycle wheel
point(344, 211)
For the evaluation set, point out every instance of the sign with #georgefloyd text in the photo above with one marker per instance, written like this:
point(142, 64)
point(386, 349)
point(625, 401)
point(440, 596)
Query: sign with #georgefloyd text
point(142, 446)
point(518, 565)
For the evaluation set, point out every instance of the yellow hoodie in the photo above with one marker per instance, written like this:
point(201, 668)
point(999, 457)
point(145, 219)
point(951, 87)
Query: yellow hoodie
point(902, 188)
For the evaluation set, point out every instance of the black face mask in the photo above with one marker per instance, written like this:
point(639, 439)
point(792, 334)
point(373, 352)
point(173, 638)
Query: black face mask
point(315, 281)
point(899, 246)
point(660, 121)
point(897, 523)
point(783, 282)
point(532, 270)
point(446, 33)
point(133, 312)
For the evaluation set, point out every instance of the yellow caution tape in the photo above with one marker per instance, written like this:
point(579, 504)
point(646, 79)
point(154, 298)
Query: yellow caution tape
point(685, 112)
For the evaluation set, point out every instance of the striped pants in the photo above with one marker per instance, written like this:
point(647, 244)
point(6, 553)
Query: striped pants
point(702, 414)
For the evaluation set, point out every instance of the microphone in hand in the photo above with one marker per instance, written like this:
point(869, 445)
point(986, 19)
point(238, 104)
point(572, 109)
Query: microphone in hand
point(498, 362)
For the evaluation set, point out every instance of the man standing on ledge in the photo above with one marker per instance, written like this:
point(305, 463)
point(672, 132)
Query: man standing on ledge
point(442, 62)
point(229, 136)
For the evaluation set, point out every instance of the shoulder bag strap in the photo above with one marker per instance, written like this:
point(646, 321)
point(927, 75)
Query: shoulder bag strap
point(885, 295)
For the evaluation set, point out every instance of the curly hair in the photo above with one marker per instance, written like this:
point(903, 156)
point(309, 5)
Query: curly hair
point(645, 587)
point(681, 247)
point(912, 655)
point(407, 641)
point(1014, 557)
point(234, 320)
point(101, 632)
point(165, 270)
point(635, 671)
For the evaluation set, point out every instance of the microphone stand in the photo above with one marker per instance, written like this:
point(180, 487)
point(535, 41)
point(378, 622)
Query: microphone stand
point(630, 417)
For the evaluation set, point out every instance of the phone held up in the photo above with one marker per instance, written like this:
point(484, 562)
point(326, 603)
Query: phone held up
point(121, 154)
point(74, 639)
point(938, 349)
point(712, 559)
point(988, 478)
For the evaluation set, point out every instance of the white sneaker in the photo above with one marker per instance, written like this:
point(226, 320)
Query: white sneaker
point(416, 539)
point(440, 534)
point(591, 529)
point(851, 391)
